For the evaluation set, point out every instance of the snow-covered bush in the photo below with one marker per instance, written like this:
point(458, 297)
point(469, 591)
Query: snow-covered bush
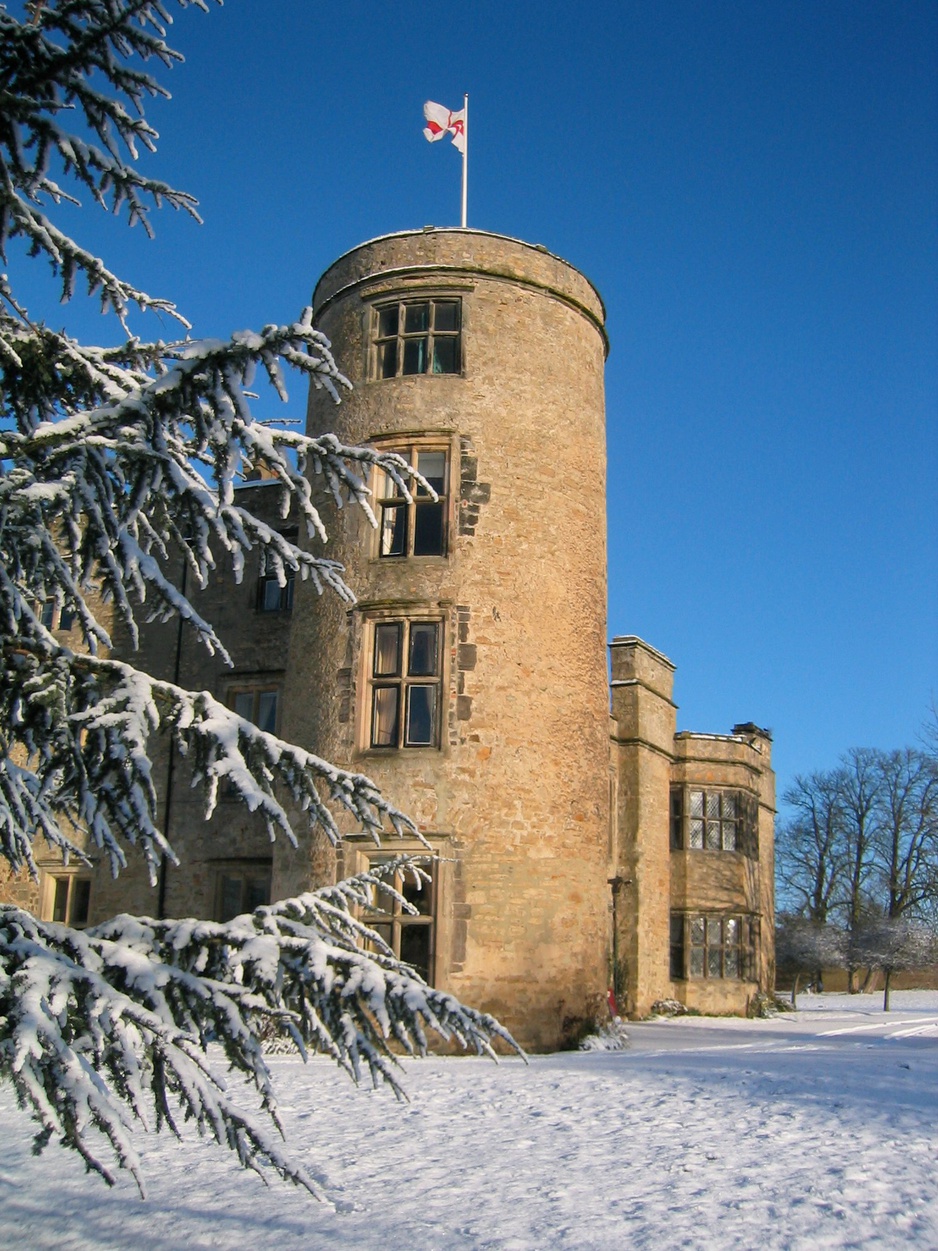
point(764, 1005)
point(612, 1036)
point(668, 1007)
point(114, 461)
point(804, 946)
point(894, 944)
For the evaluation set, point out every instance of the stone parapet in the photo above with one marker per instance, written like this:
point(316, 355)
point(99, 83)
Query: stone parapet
point(438, 254)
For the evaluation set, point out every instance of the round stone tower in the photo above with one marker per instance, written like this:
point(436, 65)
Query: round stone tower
point(469, 679)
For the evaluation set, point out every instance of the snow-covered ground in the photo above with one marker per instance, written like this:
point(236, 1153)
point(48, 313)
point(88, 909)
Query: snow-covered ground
point(817, 1129)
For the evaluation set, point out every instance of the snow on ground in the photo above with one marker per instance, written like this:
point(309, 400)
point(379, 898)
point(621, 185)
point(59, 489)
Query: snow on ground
point(816, 1129)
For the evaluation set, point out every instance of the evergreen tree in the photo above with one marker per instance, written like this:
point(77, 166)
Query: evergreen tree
point(114, 461)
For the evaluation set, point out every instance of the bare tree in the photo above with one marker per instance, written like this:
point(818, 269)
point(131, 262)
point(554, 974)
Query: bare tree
point(893, 945)
point(803, 945)
point(810, 846)
point(928, 735)
point(861, 848)
point(858, 783)
point(906, 840)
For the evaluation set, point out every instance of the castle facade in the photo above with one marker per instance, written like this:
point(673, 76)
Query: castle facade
point(583, 843)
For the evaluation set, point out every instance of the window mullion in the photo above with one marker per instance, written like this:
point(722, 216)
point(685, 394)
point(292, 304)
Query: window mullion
point(413, 337)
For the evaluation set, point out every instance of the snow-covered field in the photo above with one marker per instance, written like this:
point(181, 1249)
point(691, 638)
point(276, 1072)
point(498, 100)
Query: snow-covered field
point(817, 1129)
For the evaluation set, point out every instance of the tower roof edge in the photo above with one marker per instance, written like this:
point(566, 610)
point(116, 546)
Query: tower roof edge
point(453, 250)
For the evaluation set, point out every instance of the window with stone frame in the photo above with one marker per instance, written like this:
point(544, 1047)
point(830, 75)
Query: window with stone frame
point(417, 336)
point(714, 819)
point(271, 596)
point(257, 702)
point(55, 618)
point(68, 898)
point(409, 927)
point(418, 526)
point(713, 945)
point(404, 683)
point(241, 886)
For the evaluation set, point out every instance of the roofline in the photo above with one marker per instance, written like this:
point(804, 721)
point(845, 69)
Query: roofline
point(466, 230)
point(450, 268)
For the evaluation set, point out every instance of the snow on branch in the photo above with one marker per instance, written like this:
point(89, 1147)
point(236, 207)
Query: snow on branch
point(47, 69)
point(118, 469)
point(68, 260)
point(89, 1060)
point(86, 725)
point(138, 468)
point(111, 1026)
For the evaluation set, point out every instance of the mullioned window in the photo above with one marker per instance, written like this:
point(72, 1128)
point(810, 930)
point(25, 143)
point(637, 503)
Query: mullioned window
point(417, 337)
point(714, 819)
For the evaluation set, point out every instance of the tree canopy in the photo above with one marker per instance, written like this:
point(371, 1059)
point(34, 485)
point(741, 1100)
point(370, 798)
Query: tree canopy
point(114, 461)
point(857, 863)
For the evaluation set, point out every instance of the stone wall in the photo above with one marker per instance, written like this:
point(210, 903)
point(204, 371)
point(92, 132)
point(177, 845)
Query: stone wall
point(653, 878)
point(517, 790)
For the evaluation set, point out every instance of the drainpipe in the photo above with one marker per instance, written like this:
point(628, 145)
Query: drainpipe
point(171, 766)
point(617, 884)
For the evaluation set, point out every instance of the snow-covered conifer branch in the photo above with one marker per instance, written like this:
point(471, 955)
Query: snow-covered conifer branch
point(108, 490)
point(114, 466)
point(118, 469)
point(47, 68)
point(112, 1026)
point(68, 260)
point(86, 726)
point(89, 1060)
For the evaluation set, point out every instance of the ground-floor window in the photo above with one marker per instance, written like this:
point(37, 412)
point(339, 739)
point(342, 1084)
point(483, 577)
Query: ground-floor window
point(409, 934)
point(67, 898)
point(712, 945)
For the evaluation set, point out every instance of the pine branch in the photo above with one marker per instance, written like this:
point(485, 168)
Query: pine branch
point(89, 1060)
point(68, 260)
point(46, 69)
point(109, 1028)
point(117, 465)
point(85, 726)
point(119, 477)
point(108, 495)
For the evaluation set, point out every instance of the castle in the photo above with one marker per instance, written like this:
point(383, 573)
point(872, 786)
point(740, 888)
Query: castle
point(583, 844)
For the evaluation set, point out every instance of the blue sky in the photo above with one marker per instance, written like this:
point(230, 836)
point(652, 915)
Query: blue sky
point(751, 186)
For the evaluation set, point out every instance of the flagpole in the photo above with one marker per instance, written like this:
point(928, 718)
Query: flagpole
point(465, 156)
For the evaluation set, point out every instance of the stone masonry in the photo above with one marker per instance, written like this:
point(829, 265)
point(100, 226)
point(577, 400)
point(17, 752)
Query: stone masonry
point(514, 794)
point(469, 679)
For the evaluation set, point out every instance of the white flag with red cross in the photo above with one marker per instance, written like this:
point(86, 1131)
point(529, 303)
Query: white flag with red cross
point(442, 121)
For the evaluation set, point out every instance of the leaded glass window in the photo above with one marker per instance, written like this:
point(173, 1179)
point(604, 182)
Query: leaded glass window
point(713, 945)
point(714, 820)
